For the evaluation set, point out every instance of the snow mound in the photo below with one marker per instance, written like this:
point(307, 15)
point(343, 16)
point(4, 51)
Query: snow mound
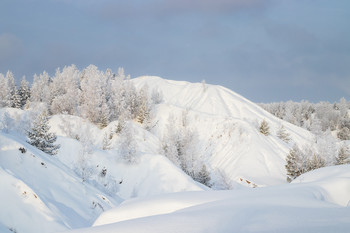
point(334, 180)
point(298, 207)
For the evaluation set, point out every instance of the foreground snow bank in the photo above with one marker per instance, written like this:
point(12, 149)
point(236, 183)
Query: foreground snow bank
point(306, 206)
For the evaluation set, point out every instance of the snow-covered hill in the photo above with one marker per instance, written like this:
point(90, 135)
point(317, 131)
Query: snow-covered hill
point(228, 125)
point(70, 190)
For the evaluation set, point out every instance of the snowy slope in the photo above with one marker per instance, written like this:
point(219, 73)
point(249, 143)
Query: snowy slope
point(39, 194)
point(300, 207)
point(43, 193)
point(227, 124)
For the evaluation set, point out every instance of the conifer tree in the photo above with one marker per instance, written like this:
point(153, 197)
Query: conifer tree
point(283, 134)
point(24, 91)
point(203, 176)
point(315, 162)
point(16, 99)
point(40, 137)
point(295, 163)
point(264, 128)
point(343, 155)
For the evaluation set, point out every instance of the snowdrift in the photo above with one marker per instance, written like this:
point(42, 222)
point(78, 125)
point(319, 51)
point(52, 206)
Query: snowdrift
point(299, 207)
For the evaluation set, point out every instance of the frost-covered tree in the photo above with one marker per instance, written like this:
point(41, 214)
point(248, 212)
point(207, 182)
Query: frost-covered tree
point(264, 128)
point(15, 99)
point(40, 137)
point(343, 155)
point(106, 142)
point(127, 144)
point(315, 162)
point(65, 88)
point(203, 176)
point(156, 96)
point(24, 91)
point(40, 91)
point(7, 89)
point(94, 95)
point(144, 106)
point(283, 134)
point(296, 163)
point(181, 146)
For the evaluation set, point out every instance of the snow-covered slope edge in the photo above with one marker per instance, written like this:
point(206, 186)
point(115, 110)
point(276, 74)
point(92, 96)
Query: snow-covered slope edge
point(306, 206)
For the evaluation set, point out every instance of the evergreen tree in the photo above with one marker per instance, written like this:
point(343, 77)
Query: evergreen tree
point(24, 91)
point(144, 106)
point(16, 99)
point(344, 133)
point(203, 176)
point(343, 155)
point(264, 128)
point(316, 162)
point(283, 134)
point(296, 165)
point(40, 137)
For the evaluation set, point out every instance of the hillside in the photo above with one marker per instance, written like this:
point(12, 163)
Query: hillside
point(217, 130)
point(228, 127)
point(43, 193)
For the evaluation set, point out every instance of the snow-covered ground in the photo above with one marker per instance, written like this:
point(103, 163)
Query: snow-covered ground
point(316, 202)
point(43, 193)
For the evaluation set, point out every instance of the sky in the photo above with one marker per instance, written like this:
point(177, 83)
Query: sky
point(265, 50)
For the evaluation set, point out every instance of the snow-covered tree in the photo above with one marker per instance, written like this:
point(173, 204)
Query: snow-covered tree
point(7, 89)
point(106, 142)
point(16, 99)
point(40, 137)
point(181, 146)
point(264, 128)
point(94, 95)
point(156, 96)
point(40, 91)
point(127, 144)
point(203, 176)
point(283, 134)
point(65, 90)
point(343, 155)
point(315, 162)
point(144, 106)
point(24, 91)
point(296, 163)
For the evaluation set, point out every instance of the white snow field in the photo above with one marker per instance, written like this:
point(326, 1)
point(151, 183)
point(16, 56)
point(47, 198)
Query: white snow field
point(317, 202)
point(44, 193)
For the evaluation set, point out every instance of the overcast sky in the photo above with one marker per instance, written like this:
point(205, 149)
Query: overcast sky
point(265, 50)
